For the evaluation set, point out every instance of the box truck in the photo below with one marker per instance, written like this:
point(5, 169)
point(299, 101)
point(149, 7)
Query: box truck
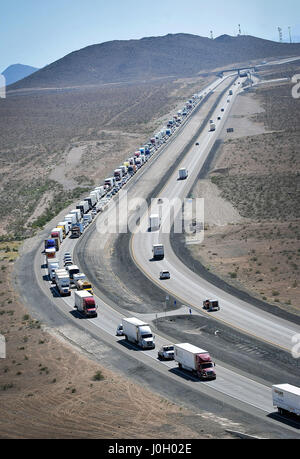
point(286, 398)
point(154, 222)
point(65, 227)
point(138, 332)
point(158, 252)
point(183, 174)
point(85, 303)
point(195, 360)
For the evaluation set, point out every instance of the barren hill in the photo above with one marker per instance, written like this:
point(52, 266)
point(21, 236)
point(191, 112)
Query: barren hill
point(178, 55)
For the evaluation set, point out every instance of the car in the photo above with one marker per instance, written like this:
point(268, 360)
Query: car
point(197, 144)
point(68, 263)
point(222, 109)
point(67, 254)
point(164, 275)
point(120, 331)
point(166, 352)
point(219, 118)
point(94, 212)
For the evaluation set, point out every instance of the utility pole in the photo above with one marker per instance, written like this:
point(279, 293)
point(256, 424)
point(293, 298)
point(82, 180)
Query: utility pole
point(211, 35)
point(280, 34)
point(290, 34)
point(240, 30)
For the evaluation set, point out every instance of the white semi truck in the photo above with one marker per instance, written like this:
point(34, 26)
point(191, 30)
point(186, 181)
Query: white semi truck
point(52, 265)
point(62, 281)
point(158, 252)
point(286, 398)
point(138, 332)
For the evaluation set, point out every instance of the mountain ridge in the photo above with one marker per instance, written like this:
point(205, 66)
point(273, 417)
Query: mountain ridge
point(176, 55)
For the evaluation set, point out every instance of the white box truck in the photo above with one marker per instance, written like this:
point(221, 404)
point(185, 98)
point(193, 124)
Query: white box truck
point(85, 303)
point(53, 264)
point(158, 251)
point(65, 225)
point(138, 332)
point(183, 174)
point(77, 213)
point(196, 360)
point(154, 222)
point(286, 398)
point(71, 219)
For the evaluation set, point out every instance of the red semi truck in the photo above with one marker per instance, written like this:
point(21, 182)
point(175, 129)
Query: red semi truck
point(85, 303)
point(196, 360)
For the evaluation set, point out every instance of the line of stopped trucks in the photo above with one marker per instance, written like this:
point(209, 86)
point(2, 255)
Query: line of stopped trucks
point(189, 357)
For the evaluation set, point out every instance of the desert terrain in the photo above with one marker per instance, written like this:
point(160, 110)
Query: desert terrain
point(252, 195)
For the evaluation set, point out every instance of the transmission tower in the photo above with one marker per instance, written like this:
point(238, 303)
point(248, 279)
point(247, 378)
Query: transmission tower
point(240, 30)
point(280, 34)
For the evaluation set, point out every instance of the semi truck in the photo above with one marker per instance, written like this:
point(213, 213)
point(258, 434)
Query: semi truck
point(57, 232)
point(83, 207)
point(154, 222)
point(49, 243)
point(73, 269)
point(76, 230)
point(195, 360)
point(158, 252)
point(77, 213)
point(52, 265)
point(286, 398)
point(50, 253)
point(62, 281)
point(64, 225)
point(118, 174)
point(84, 284)
point(71, 219)
point(110, 182)
point(183, 174)
point(138, 332)
point(85, 303)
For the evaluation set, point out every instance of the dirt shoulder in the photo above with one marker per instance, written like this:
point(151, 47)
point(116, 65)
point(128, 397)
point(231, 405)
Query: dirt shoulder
point(252, 193)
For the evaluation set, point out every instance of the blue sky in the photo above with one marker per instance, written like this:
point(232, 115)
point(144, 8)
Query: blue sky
point(38, 32)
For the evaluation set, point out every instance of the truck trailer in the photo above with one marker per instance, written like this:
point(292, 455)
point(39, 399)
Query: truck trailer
point(286, 398)
point(62, 281)
point(138, 332)
point(154, 222)
point(195, 360)
point(158, 252)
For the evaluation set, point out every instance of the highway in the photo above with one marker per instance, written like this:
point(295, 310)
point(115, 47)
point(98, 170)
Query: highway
point(184, 284)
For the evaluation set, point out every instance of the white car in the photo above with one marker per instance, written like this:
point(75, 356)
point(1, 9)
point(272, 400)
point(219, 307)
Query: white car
point(120, 331)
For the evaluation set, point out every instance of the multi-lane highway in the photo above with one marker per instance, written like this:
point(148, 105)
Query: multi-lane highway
point(184, 284)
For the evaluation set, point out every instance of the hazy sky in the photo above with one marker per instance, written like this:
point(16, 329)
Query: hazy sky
point(38, 32)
